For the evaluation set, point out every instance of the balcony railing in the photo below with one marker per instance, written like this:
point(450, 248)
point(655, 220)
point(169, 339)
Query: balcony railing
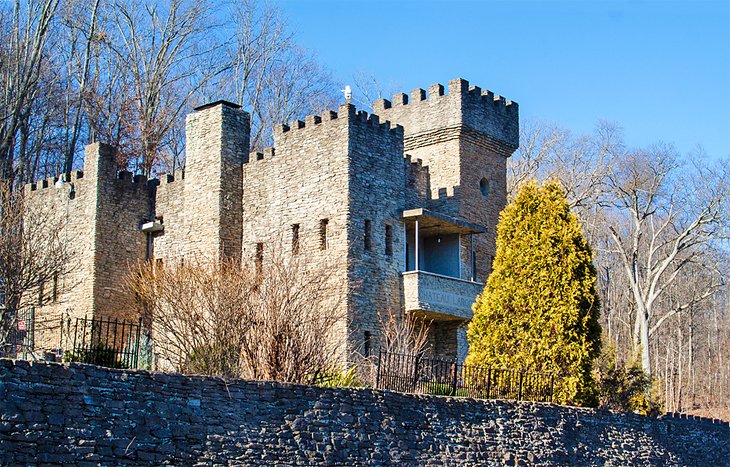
point(438, 296)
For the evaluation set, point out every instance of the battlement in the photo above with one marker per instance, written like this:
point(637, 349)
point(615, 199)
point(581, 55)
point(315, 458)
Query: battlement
point(455, 87)
point(267, 154)
point(452, 106)
point(51, 182)
point(345, 111)
point(445, 193)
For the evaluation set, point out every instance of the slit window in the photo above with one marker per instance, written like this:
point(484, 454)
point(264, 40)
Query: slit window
point(368, 239)
point(40, 294)
point(389, 240)
point(295, 239)
point(259, 257)
point(368, 344)
point(55, 287)
point(323, 234)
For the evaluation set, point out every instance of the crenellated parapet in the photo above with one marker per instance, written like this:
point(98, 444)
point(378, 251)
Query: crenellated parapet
point(123, 181)
point(458, 106)
point(347, 114)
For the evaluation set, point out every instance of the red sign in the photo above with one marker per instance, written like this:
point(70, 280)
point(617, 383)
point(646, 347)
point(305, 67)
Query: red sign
point(21, 325)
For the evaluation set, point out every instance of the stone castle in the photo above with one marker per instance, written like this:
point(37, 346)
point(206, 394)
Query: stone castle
point(406, 200)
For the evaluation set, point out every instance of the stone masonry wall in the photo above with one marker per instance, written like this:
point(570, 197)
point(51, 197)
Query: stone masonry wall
point(303, 182)
point(377, 187)
point(463, 135)
point(98, 213)
point(85, 415)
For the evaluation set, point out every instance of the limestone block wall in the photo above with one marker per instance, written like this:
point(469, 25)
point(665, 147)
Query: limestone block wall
point(377, 198)
point(217, 144)
point(99, 212)
point(170, 209)
point(50, 206)
point(80, 414)
point(123, 203)
point(302, 186)
point(464, 137)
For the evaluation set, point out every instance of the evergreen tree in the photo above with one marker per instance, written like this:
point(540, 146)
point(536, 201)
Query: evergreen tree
point(539, 310)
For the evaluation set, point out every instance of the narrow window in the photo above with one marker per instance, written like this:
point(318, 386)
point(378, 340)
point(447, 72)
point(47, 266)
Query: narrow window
point(40, 294)
point(55, 287)
point(259, 257)
point(389, 240)
point(323, 234)
point(295, 239)
point(368, 235)
point(368, 344)
point(473, 266)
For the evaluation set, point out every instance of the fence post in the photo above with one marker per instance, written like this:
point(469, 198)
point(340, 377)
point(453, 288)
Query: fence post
point(377, 372)
point(137, 344)
point(416, 371)
point(31, 342)
point(519, 389)
point(489, 381)
point(551, 386)
point(454, 378)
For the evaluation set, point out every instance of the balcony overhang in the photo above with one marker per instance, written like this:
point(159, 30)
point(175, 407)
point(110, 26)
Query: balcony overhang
point(435, 222)
point(439, 297)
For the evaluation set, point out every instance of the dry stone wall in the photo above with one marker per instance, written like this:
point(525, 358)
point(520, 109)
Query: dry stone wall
point(85, 415)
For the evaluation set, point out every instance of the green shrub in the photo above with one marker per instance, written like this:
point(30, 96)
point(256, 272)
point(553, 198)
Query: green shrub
point(626, 388)
point(334, 378)
point(101, 355)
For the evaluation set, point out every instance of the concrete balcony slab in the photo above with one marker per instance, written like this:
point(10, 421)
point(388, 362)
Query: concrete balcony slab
point(439, 297)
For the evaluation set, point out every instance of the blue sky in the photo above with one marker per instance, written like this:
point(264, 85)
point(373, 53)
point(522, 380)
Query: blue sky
point(660, 69)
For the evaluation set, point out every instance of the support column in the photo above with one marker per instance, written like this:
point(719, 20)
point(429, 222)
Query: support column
point(473, 260)
point(417, 249)
point(405, 246)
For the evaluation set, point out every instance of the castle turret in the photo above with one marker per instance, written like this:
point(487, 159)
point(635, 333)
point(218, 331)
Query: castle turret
point(464, 136)
point(217, 146)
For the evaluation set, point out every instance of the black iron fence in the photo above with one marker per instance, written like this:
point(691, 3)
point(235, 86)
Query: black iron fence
point(109, 342)
point(29, 337)
point(423, 375)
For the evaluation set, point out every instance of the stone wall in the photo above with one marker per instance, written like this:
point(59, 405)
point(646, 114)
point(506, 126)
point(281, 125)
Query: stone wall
point(97, 214)
point(464, 135)
point(85, 415)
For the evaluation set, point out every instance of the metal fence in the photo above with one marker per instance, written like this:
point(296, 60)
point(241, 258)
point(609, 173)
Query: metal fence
point(31, 338)
point(109, 342)
point(422, 375)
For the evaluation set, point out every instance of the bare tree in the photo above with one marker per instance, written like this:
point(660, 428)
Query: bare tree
point(167, 52)
point(32, 253)
point(269, 75)
point(79, 49)
point(22, 56)
point(666, 218)
point(579, 163)
point(403, 333)
point(272, 322)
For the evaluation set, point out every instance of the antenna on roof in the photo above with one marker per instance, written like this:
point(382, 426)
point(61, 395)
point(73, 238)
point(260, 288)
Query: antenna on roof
point(348, 93)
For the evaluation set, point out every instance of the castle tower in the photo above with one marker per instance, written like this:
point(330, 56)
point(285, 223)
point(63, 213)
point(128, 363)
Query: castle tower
point(217, 146)
point(464, 136)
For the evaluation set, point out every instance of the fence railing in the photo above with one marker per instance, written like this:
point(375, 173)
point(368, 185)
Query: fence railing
point(109, 342)
point(423, 375)
point(29, 337)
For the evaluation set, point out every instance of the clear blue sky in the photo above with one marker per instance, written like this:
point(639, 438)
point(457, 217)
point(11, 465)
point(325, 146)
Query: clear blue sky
point(660, 69)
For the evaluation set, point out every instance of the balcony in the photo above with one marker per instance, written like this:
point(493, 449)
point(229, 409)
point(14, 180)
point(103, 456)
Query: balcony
point(438, 263)
point(439, 297)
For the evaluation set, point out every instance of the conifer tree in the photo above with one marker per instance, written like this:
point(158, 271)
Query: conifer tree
point(539, 310)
